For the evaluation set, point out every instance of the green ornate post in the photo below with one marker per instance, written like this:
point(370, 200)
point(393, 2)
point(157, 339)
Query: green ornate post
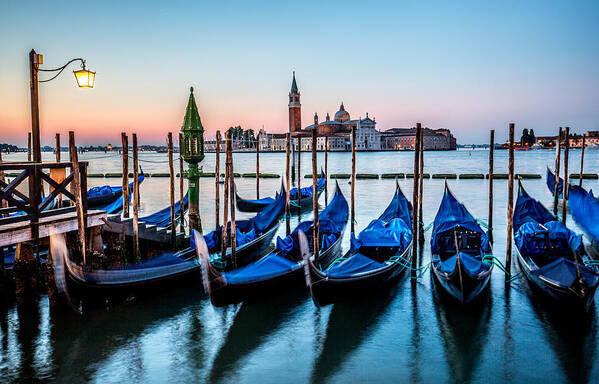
point(192, 152)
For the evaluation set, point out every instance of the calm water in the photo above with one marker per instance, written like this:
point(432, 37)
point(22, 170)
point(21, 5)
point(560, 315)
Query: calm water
point(408, 334)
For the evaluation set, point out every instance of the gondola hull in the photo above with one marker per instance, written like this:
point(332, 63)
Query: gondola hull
point(555, 293)
point(227, 293)
point(105, 199)
point(326, 290)
point(464, 290)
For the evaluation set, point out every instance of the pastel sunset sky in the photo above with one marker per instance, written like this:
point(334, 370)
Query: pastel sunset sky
point(466, 66)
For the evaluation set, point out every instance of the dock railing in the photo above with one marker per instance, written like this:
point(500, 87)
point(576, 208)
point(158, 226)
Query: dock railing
point(30, 205)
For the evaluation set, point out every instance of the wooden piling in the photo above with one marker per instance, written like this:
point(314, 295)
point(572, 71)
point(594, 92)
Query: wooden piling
point(57, 138)
point(326, 170)
point(565, 188)
point(3, 202)
point(136, 254)
point(420, 190)
point(78, 203)
point(415, 199)
point(125, 144)
point(232, 205)
point(29, 146)
point(491, 150)
point(353, 178)
point(217, 178)
point(315, 196)
point(225, 198)
point(299, 173)
point(288, 183)
point(557, 167)
point(181, 186)
point(510, 206)
point(581, 161)
point(258, 167)
point(171, 169)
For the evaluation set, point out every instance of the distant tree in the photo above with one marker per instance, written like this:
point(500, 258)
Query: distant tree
point(528, 138)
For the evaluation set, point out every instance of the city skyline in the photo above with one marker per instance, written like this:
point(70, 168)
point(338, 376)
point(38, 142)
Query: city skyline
point(468, 68)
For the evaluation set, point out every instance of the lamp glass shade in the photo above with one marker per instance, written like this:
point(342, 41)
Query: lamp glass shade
point(85, 78)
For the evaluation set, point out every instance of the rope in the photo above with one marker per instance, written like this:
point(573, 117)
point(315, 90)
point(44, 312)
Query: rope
point(429, 226)
point(490, 259)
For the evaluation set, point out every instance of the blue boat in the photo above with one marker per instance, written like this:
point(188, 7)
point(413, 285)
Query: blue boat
point(283, 267)
point(378, 256)
point(248, 205)
point(460, 251)
point(253, 237)
point(162, 218)
point(551, 256)
point(102, 196)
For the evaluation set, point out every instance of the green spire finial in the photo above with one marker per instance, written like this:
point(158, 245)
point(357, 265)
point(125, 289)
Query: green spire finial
point(192, 120)
point(191, 89)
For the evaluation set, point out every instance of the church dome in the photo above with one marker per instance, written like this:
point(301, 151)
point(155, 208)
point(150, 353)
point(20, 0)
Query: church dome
point(341, 114)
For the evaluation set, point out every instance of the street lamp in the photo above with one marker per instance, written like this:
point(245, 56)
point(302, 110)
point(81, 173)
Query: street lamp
point(84, 77)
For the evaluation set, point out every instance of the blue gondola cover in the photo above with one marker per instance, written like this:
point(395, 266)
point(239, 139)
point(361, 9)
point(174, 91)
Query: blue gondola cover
point(267, 267)
point(356, 264)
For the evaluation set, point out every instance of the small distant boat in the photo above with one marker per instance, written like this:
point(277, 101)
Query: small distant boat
point(379, 255)
point(551, 256)
point(283, 267)
point(248, 205)
point(536, 146)
point(459, 246)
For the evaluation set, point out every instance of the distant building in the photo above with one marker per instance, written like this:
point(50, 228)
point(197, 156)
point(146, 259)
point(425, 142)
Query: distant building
point(405, 139)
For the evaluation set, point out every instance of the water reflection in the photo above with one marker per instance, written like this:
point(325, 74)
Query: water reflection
point(350, 324)
point(250, 329)
point(464, 330)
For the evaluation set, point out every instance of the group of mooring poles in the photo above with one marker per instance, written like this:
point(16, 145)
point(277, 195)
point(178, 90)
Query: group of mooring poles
point(564, 135)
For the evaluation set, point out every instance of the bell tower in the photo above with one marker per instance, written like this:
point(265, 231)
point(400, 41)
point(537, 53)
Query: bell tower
point(295, 108)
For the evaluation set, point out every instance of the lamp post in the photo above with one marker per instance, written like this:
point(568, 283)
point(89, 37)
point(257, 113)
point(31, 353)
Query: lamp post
point(192, 152)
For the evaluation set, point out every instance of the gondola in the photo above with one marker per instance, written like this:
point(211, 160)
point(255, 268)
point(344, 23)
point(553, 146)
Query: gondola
point(283, 267)
point(117, 206)
point(253, 237)
point(550, 181)
point(460, 250)
point(377, 257)
point(583, 206)
point(551, 256)
point(162, 218)
point(102, 196)
point(169, 265)
point(248, 205)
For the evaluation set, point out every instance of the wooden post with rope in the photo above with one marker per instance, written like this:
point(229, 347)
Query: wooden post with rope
point(326, 170)
point(288, 183)
point(181, 186)
point(125, 143)
point(232, 204)
point(217, 179)
point(353, 178)
point(78, 201)
point(581, 161)
point(135, 200)
point(420, 189)
point(299, 173)
point(258, 167)
point(171, 169)
point(415, 199)
point(225, 197)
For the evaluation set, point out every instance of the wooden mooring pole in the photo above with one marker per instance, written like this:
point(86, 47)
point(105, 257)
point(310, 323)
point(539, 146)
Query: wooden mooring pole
point(415, 197)
point(420, 191)
point(29, 146)
point(581, 161)
point(217, 179)
point(491, 150)
point(125, 144)
point(565, 189)
point(288, 183)
point(225, 198)
point(57, 138)
point(171, 169)
point(232, 204)
point(558, 154)
point(326, 170)
point(510, 207)
point(78, 203)
point(353, 179)
point(181, 186)
point(299, 173)
point(315, 196)
point(258, 167)
point(136, 253)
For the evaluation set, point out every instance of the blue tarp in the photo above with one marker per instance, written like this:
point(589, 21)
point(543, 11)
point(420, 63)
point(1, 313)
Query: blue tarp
point(528, 209)
point(307, 191)
point(355, 264)
point(267, 267)
point(389, 230)
point(584, 207)
point(102, 190)
point(550, 180)
point(472, 265)
point(162, 218)
point(452, 214)
point(117, 205)
point(563, 271)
